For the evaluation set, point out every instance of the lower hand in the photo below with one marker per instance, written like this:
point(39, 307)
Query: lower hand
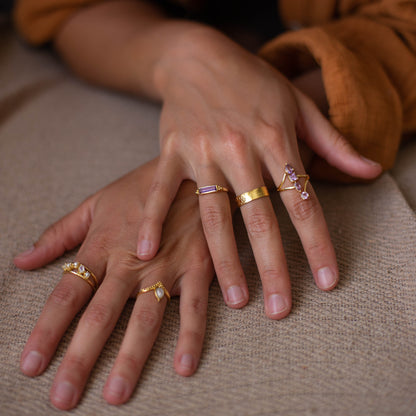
point(106, 225)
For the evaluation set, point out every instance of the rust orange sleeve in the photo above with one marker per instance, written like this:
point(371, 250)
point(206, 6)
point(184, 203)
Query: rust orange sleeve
point(38, 21)
point(368, 61)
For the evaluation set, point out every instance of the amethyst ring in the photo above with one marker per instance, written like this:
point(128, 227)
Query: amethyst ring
point(210, 189)
point(295, 182)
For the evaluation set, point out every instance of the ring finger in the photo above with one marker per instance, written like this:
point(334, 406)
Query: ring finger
point(307, 217)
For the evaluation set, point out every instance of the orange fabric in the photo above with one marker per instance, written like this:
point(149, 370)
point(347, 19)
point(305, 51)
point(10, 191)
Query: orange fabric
point(368, 60)
point(38, 21)
point(365, 48)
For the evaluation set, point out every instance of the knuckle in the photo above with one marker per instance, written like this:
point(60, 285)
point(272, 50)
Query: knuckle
point(272, 138)
point(98, 244)
point(147, 319)
point(194, 335)
point(147, 222)
point(65, 295)
point(317, 248)
point(45, 336)
point(54, 233)
point(130, 361)
point(158, 187)
point(125, 264)
point(341, 145)
point(226, 268)
point(99, 314)
point(303, 210)
point(197, 307)
point(77, 365)
point(271, 275)
point(171, 144)
point(214, 219)
point(260, 223)
point(236, 146)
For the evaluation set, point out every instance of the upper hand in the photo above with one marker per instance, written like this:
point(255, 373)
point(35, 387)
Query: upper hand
point(231, 119)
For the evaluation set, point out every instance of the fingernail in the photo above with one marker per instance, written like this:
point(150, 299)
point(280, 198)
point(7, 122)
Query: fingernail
point(326, 278)
point(117, 387)
point(369, 161)
point(26, 253)
point(65, 394)
point(235, 295)
point(144, 248)
point(277, 304)
point(32, 363)
point(187, 362)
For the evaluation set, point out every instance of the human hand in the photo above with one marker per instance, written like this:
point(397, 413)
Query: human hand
point(231, 119)
point(106, 225)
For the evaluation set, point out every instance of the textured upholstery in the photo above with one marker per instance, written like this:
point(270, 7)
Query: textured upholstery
point(348, 352)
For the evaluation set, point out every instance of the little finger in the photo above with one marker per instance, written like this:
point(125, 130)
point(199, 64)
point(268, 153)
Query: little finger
point(193, 311)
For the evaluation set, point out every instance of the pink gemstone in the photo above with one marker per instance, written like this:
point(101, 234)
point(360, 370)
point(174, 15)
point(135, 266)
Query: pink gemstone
point(289, 169)
point(207, 189)
point(293, 177)
point(304, 195)
point(298, 186)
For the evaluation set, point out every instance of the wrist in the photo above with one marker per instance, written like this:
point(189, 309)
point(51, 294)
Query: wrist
point(196, 51)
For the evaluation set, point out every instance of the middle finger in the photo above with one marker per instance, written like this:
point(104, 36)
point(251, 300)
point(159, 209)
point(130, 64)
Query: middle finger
point(264, 235)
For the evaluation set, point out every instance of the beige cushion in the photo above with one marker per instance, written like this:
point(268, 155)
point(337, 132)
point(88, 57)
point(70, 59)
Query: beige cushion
point(348, 352)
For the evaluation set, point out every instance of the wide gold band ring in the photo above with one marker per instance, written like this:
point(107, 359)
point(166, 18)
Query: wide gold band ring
point(249, 196)
point(82, 271)
point(210, 189)
point(159, 290)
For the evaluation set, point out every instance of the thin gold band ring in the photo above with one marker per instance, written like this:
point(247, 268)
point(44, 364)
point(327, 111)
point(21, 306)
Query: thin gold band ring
point(82, 271)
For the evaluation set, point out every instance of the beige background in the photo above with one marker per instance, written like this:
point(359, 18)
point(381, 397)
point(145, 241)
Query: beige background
point(348, 352)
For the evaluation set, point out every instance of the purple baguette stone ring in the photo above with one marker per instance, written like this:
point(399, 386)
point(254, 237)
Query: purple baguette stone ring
point(210, 189)
point(295, 182)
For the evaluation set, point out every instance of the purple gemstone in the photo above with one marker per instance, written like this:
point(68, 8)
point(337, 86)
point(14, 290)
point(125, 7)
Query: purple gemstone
point(289, 169)
point(207, 189)
point(298, 186)
point(304, 195)
point(293, 177)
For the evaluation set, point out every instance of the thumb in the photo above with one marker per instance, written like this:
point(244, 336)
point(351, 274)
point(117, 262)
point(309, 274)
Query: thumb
point(60, 237)
point(319, 134)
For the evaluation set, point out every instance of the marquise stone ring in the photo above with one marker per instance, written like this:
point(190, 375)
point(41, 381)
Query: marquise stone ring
point(159, 291)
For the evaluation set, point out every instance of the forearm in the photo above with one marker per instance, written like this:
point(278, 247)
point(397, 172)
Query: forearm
point(119, 44)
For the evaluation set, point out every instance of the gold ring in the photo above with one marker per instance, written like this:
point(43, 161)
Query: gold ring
point(83, 272)
point(210, 189)
point(159, 290)
point(294, 182)
point(249, 196)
